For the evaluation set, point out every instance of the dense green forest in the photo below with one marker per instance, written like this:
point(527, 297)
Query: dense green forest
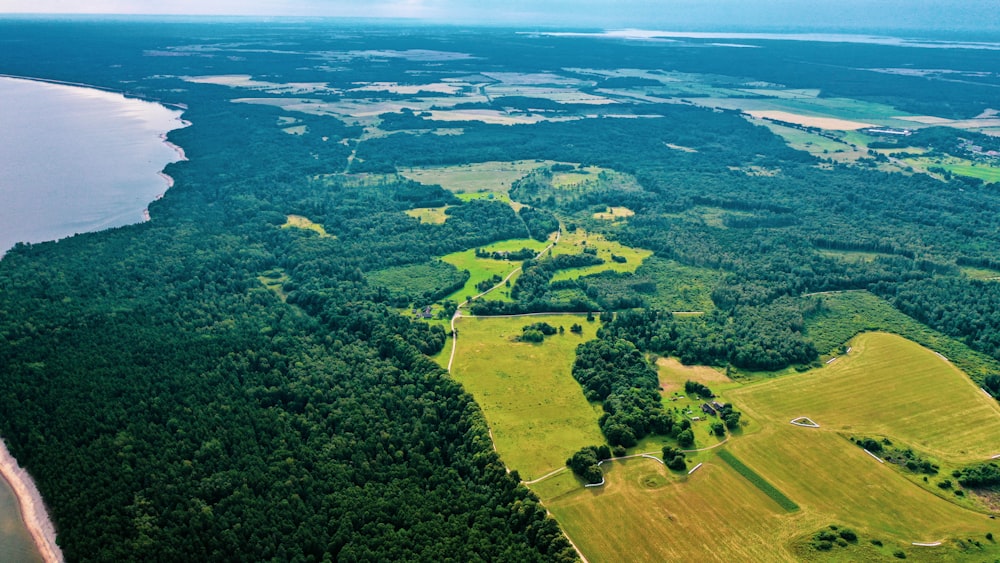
point(172, 407)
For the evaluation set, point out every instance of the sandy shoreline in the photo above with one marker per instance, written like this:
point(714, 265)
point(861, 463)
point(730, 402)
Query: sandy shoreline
point(33, 512)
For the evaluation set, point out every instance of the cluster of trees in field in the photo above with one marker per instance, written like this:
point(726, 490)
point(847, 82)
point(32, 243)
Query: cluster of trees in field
point(614, 371)
point(536, 332)
point(986, 475)
point(585, 463)
point(540, 223)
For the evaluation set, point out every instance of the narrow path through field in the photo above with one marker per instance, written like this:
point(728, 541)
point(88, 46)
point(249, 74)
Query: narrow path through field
point(458, 310)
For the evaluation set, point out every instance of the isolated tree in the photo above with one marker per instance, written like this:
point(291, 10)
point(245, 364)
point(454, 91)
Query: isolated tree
point(685, 439)
point(718, 428)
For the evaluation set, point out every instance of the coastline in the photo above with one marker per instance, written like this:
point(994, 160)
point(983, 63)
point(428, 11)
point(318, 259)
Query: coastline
point(29, 501)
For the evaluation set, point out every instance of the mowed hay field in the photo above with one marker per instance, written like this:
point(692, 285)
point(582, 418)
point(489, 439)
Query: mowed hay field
point(835, 482)
point(645, 513)
point(536, 411)
point(887, 386)
point(674, 374)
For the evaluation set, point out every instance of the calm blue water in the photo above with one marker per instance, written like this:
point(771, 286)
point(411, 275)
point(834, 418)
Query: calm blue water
point(74, 160)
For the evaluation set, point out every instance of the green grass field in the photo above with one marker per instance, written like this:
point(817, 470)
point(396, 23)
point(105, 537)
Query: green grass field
point(574, 243)
point(758, 481)
point(885, 386)
point(535, 409)
point(959, 166)
point(484, 268)
point(432, 215)
point(888, 386)
point(644, 513)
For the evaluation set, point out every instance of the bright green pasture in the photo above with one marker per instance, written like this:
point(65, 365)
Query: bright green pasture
point(888, 386)
point(432, 215)
point(834, 481)
point(574, 243)
point(536, 411)
point(960, 166)
point(983, 172)
point(481, 269)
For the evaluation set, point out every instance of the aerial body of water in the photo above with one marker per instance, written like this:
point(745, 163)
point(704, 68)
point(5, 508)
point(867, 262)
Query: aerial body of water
point(74, 160)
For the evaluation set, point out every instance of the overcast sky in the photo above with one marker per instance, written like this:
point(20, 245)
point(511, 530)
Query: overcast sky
point(861, 15)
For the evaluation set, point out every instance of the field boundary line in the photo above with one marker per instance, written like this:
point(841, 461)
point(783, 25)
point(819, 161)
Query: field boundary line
point(877, 458)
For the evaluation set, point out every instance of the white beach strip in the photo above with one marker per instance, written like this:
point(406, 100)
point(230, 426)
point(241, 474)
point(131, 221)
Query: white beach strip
point(33, 512)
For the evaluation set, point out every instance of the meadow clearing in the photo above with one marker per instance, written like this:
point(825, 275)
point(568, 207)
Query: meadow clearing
point(575, 242)
point(614, 214)
point(300, 222)
point(481, 269)
point(431, 215)
point(888, 386)
point(536, 411)
point(495, 177)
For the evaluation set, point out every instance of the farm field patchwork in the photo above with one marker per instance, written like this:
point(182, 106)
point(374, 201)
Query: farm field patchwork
point(536, 411)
